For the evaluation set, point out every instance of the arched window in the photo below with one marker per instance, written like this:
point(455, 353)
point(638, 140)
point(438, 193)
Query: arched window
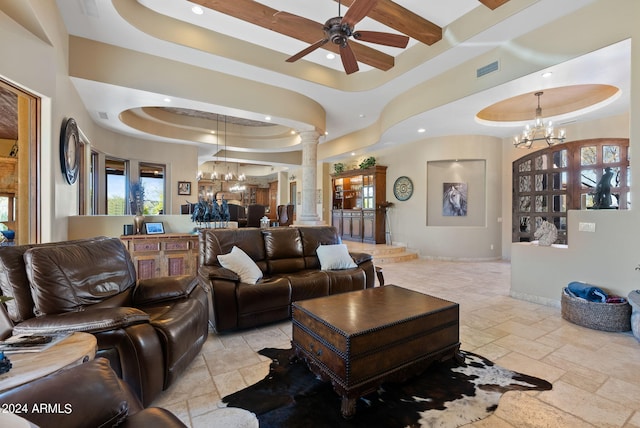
point(549, 182)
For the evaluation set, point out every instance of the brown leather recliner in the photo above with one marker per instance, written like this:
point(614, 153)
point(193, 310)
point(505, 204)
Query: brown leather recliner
point(149, 330)
point(291, 271)
point(88, 395)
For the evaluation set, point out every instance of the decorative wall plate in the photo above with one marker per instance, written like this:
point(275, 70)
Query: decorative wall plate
point(70, 150)
point(403, 188)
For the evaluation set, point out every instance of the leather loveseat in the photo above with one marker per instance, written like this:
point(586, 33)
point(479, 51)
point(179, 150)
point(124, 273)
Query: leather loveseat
point(149, 330)
point(88, 395)
point(290, 267)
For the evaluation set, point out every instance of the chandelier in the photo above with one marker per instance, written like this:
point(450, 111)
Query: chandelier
point(540, 131)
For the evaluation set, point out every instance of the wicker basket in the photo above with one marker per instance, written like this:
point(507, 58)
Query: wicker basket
point(598, 316)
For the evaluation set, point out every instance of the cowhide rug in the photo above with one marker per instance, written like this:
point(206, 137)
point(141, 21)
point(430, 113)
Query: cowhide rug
point(445, 395)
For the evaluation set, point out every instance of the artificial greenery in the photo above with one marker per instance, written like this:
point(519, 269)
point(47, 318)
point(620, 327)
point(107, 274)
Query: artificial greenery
point(368, 163)
point(338, 168)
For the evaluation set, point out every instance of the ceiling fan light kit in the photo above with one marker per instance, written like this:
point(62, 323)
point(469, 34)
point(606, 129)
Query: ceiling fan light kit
point(540, 131)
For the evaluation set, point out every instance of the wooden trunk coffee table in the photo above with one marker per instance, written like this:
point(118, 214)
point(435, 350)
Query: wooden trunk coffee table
point(358, 340)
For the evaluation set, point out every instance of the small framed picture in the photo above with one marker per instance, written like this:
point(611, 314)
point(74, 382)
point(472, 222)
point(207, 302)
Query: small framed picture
point(184, 187)
point(156, 228)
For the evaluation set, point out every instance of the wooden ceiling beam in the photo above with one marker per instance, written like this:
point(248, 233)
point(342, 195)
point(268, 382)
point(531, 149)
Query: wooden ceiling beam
point(403, 20)
point(493, 4)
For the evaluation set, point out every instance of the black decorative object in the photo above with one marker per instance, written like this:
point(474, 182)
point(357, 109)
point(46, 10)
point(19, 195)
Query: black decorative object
point(205, 212)
point(602, 198)
point(70, 150)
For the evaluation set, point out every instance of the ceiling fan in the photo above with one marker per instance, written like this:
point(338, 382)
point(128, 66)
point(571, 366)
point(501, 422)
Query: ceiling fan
point(386, 12)
point(339, 29)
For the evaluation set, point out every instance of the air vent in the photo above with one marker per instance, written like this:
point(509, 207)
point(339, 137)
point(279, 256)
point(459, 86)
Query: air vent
point(103, 115)
point(489, 68)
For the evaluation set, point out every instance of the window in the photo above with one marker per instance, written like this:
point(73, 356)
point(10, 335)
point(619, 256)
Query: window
point(152, 178)
point(549, 182)
point(7, 208)
point(117, 193)
point(93, 184)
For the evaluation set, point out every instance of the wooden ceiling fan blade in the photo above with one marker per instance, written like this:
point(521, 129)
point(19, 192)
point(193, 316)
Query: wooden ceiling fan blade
point(370, 56)
point(348, 59)
point(307, 50)
point(387, 39)
point(358, 10)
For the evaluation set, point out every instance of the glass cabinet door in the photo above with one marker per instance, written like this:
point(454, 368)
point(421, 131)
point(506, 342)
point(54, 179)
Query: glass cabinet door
point(367, 192)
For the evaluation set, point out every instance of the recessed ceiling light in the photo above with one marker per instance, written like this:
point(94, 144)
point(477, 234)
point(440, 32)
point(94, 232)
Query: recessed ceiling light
point(167, 100)
point(330, 56)
point(197, 10)
point(422, 130)
point(326, 132)
point(361, 115)
point(293, 132)
point(547, 74)
point(267, 118)
point(353, 153)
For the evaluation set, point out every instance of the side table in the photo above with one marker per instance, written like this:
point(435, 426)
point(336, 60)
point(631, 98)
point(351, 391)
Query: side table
point(27, 366)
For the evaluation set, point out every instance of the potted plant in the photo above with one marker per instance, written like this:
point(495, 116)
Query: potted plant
point(338, 167)
point(368, 162)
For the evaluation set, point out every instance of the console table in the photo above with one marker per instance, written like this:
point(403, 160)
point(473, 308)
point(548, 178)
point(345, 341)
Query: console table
point(168, 254)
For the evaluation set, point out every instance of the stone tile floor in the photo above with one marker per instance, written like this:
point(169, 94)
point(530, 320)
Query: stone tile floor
point(595, 375)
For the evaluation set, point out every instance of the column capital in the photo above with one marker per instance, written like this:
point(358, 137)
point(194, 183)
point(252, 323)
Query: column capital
point(309, 136)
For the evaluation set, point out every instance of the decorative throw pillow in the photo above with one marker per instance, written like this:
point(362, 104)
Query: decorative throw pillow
point(239, 262)
point(335, 257)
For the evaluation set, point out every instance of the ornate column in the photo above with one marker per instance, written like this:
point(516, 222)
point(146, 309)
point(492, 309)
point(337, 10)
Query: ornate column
point(309, 214)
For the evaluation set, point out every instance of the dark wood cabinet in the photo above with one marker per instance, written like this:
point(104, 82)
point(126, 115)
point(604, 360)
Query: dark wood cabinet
point(356, 196)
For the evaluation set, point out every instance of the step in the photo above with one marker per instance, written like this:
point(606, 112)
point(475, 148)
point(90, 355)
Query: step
point(404, 256)
point(383, 253)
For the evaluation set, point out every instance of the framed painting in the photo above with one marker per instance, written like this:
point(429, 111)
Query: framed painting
point(454, 199)
point(184, 187)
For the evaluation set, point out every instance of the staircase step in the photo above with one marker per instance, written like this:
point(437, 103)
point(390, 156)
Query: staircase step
point(395, 257)
point(383, 253)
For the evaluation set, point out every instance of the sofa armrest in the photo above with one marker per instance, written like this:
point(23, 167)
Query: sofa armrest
point(90, 321)
point(216, 272)
point(360, 258)
point(89, 395)
point(162, 289)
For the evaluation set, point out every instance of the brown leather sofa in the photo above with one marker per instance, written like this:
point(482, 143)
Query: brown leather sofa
point(88, 395)
point(291, 271)
point(149, 330)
